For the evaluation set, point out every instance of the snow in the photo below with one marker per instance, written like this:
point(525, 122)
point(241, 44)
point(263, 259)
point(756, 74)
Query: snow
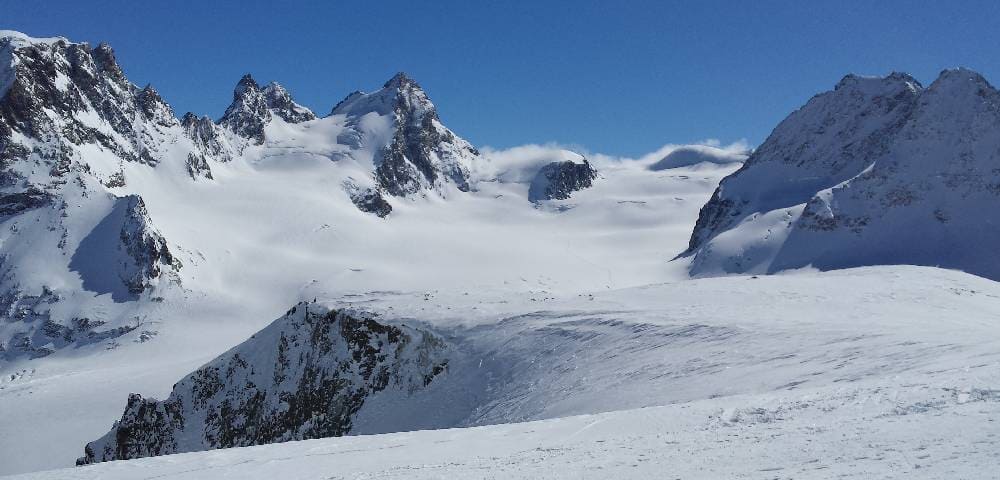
point(19, 39)
point(865, 373)
point(299, 238)
point(567, 314)
point(851, 178)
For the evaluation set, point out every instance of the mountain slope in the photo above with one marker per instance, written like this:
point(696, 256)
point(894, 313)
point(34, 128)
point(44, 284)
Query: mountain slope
point(858, 173)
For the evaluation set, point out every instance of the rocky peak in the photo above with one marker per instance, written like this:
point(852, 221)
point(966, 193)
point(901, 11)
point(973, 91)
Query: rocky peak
point(398, 80)
point(154, 108)
point(104, 59)
point(207, 138)
point(961, 89)
point(422, 154)
point(558, 180)
point(280, 102)
point(144, 245)
point(248, 113)
point(831, 139)
point(54, 91)
point(253, 107)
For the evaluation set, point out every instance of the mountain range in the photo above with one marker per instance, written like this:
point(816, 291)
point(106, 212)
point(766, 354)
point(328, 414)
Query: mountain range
point(274, 275)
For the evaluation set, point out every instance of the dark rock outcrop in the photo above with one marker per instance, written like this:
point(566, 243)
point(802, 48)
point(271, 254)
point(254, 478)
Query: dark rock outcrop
point(17, 202)
point(144, 245)
point(207, 137)
point(280, 103)
point(253, 107)
point(305, 376)
point(248, 113)
point(558, 180)
point(369, 200)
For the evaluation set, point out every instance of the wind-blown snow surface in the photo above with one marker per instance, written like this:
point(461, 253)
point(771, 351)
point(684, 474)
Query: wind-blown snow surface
point(866, 373)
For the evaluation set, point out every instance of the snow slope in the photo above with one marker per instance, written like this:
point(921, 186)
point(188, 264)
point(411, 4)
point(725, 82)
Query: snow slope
point(865, 373)
point(858, 173)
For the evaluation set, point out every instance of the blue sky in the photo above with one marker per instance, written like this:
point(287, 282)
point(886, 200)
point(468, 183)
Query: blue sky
point(617, 77)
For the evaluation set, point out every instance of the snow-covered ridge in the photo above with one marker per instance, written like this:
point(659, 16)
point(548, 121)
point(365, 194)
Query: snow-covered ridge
point(307, 375)
point(854, 176)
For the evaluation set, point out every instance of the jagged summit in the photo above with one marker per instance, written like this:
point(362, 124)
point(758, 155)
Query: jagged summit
point(857, 173)
point(280, 102)
point(248, 113)
point(398, 89)
point(399, 80)
point(253, 107)
point(154, 107)
point(422, 154)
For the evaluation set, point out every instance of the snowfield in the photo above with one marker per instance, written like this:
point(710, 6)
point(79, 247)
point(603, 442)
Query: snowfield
point(867, 373)
point(324, 248)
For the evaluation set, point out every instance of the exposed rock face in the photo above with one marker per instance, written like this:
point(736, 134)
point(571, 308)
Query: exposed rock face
point(150, 257)
point(18, 202)
point(280, 103)
point(852, 177)
point(422, 153)
point(207, 137)
point(198, 167)
point(248, 113)
point(74, 83)
point(253, 107)
point(369, 200)
point(558, 180)
point(304, 376)
point(154, 108)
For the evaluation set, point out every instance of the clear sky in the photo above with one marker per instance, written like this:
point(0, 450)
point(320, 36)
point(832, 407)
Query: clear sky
point(617, 77)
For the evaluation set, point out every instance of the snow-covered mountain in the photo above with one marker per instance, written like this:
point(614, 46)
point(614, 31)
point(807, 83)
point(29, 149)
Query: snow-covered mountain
point(138, 246)
point(878, 171)
point(145, 259)
point(82, 148)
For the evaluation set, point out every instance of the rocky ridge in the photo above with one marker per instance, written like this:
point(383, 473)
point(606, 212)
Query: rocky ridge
point(305, 376)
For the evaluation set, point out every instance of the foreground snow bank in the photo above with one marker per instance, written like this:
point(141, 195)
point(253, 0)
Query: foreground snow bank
point(888, 430)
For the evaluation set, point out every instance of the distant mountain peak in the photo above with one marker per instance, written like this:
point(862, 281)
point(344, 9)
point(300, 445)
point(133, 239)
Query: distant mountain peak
point(253, 107)
point(399, 80)
point(248, 113)
point(280, 102)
